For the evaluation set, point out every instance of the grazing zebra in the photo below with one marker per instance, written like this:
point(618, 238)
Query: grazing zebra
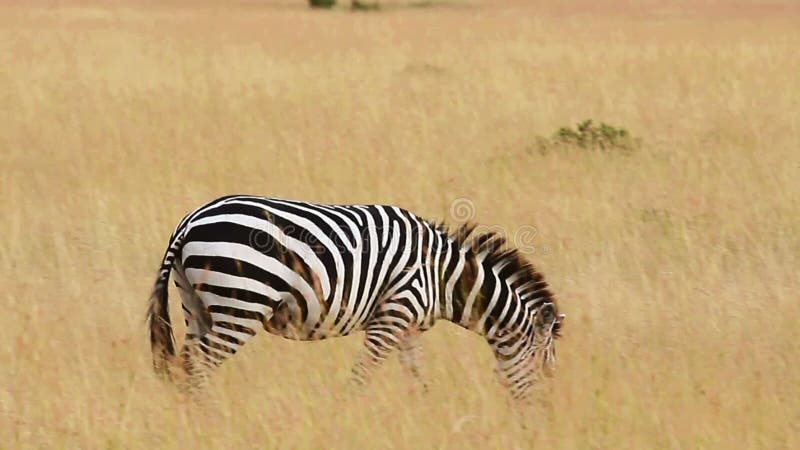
point(308, 271)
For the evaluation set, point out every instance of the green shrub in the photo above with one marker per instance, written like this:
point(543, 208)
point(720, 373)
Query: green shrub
point(322, 3)
point(371, 5)
point(588, 136)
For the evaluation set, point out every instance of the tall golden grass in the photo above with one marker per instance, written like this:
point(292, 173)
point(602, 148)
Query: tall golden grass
point(677, 265)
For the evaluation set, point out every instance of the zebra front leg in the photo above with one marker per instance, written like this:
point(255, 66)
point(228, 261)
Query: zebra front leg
point(379, 342)
point(410, 357)
point(514, 369)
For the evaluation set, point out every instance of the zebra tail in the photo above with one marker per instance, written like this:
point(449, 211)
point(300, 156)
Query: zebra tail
point(162, 340)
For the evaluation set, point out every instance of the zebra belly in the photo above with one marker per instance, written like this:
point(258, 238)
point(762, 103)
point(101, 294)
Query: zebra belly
point(287, 323)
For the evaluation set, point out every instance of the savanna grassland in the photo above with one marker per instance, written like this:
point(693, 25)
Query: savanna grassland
point(678, 264)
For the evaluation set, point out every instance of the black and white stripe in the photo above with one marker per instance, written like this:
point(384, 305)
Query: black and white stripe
point(308, 271)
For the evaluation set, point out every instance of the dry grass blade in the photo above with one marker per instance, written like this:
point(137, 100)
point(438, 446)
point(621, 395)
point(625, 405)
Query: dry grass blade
point(677, 264)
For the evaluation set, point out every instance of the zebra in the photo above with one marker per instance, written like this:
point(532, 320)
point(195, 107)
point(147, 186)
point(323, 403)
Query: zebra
point(308, 271)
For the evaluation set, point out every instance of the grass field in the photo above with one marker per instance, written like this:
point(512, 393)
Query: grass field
point(678, 265)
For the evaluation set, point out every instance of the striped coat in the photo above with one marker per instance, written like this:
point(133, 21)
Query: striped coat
point(308, 271)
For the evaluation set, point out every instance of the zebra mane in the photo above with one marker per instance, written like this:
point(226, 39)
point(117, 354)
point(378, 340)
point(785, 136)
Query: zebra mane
point(529, 282)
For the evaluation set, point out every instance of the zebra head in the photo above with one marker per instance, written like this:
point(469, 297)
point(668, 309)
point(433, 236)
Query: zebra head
point(547, 324)
point(525, 348)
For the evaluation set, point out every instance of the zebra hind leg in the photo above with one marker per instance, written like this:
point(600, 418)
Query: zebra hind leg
point(214, 348)
point(211, 341)
point(195, 372)
point(193, 377)
point(195, 367)
point(201, 355)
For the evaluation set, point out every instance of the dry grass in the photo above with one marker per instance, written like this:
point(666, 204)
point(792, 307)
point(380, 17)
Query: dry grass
point(678, 265)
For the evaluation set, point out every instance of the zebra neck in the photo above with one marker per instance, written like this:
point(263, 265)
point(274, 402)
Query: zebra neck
point(474, 293)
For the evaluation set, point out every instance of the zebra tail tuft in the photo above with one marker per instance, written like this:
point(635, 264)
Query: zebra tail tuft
point(162, 340)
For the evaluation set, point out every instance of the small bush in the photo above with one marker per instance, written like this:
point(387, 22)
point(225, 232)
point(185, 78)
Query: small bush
point(590, 137)
point(322, 3)
point(365, 6)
